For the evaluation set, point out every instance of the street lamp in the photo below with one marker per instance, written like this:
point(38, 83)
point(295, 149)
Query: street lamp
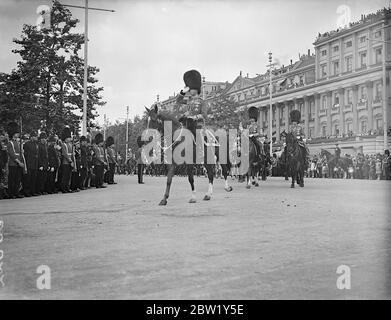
point(127, 134)
point(271, 65)
point(86, 8)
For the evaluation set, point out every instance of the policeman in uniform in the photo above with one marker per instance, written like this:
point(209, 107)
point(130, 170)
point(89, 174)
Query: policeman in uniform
point(42, 163)
point(16, 163)
point(30, 149)
point(297, 130)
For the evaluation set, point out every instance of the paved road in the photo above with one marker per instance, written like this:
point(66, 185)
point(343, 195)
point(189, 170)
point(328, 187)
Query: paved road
point(270, 242)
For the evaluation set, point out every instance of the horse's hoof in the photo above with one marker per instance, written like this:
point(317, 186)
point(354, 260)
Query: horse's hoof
point(292, 186)
point(207, 197)
point(192, 200)
point(229, 189)
point(286, 179)
point(256, 184)
point(302, 185)
point(163, 202)
point(253, 183)
point(248, 187)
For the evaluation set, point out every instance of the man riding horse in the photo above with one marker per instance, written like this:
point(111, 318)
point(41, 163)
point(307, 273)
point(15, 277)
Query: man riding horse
point(297, 130)
point(253, 131)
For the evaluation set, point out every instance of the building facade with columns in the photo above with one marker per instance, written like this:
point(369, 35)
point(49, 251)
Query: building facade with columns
point(339, 89)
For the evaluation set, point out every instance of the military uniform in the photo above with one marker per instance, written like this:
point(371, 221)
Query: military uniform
point(297, 130)
point(42, 164)
point(111, 159)
point(99, 161)
point(30, 149)
point(15, 162)
point(66, 160)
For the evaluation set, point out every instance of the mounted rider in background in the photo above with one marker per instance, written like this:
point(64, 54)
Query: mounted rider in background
point(297, 130)
point(253, 131)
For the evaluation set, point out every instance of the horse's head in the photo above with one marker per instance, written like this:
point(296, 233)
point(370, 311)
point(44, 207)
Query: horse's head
point(291, 142)
point(153, 113)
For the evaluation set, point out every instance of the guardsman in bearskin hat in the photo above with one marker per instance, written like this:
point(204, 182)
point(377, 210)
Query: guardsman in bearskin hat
point(67, 159)
point(16, 162)
point(297, 130)
point(99, 159)
point(111, 159)
point(30, 149)
point(189, 103)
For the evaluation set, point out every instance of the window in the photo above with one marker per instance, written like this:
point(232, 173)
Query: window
point(312, 110)
point(378, 55)
point(301, 108)
point(324, 102)
point(363, 59)
point(323, 131)
point(379, 124)
point(348, 63)
point(363, 124)
point(378, 34)
point(363, 93)
point(348, 44)
point(336, 67)
point(311, 132)
point(323, 71)
point(363, 39)
point(336, 98)
point(378, 91)
point(335, 48)
point(350, 96)
point(349, 126)
point(336, 129)
point(324, 52)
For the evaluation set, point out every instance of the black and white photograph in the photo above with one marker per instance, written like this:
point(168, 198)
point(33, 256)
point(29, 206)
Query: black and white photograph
point(213, 152)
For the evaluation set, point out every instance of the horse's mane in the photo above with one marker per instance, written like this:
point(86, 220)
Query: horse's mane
point(326, 152)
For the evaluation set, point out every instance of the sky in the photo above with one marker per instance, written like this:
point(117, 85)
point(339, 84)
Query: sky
point(144, 47)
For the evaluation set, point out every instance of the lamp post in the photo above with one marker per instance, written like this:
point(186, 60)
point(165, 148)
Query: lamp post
point(127, 134)
point(271, 65)
point(86, 8)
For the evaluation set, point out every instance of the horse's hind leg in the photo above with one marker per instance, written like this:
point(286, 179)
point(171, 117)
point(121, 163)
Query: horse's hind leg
point(225, 171)
point(190, 175)
point(170, 175)
point(210, 172)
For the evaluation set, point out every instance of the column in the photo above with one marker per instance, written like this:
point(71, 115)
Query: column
point(306, 116)
point(296, 104)
point(329, 97)
point(277, 122)
point(341, 59)
point(316, 64)
point(260, 119)
point(369, 85)
point(317, 105)
point(355, 113)
point(286, 106)
point(341, 92)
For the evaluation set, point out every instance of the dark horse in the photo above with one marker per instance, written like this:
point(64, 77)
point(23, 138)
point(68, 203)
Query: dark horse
point(156, 121)
point(333, 162)
point(257, 163)
point(295, 159)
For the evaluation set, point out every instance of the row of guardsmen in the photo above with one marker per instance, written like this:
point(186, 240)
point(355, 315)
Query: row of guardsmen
point(39, 164)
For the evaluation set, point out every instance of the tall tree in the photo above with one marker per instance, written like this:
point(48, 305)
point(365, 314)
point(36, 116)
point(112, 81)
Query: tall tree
point(48, 82)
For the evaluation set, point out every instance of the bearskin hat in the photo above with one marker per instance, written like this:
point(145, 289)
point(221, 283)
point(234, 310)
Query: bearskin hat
point(83, 138)
point(98, 138)
point(66, 133)
point(253, 113)
point(12, 128)
point(43, 135)
point(109, 141)
point(52, 139)
point(295, 116)
point(192, 80)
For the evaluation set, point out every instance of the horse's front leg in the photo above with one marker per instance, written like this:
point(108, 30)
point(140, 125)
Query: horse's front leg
point(190, 175)
point(210, 173)
point(170, 175)
point(294, 176)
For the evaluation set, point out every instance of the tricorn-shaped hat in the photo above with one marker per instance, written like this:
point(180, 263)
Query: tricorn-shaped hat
point(98, 138)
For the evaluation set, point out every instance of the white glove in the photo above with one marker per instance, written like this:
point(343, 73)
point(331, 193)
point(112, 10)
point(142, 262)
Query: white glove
point(52, 169)
point(40, 168)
